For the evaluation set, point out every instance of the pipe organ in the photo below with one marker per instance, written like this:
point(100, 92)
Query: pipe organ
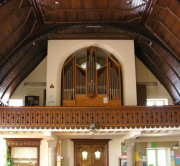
point(91, 78)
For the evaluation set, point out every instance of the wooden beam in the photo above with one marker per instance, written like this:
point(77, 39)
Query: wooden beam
point(146, 12)
point(143, 55)
point(129, 27)
point(24, 73)
point(38, 13)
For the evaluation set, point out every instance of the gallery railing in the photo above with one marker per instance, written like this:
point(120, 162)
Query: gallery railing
point(82, 117)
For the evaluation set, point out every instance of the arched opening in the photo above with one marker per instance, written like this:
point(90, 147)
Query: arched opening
point(91, 77)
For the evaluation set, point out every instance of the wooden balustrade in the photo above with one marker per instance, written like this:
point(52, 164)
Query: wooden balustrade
point(81, 117)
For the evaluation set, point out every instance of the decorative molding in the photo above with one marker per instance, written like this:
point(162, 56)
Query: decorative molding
point(82, 117)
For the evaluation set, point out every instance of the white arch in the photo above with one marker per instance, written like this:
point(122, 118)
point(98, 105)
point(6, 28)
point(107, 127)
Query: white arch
point(59, 50)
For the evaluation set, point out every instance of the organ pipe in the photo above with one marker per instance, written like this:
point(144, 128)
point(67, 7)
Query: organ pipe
point(91, 81)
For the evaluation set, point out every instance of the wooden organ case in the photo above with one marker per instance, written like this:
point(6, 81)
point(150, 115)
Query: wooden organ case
point(91, 78)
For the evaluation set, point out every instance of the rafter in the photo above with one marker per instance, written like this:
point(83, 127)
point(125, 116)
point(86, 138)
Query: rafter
point(147, 11)
point(166, 47)
point(155, 52)
point(19, 45)
point(29, 67)
point(143, 55)
point(38, 13)
point(130, 27)
point(11, 34)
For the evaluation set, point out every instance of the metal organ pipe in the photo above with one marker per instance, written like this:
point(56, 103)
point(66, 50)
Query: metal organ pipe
point(107, 78)
point(91, 73)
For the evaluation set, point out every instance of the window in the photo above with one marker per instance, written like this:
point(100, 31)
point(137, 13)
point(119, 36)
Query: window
point(16, 102)
point(155, 156)
point(98, 66)
point(157, 102)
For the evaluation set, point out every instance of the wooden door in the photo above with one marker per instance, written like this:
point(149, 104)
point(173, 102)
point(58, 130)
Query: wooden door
point(84, 155)
point(141, 95)
point(90, 152)
point(98, 155)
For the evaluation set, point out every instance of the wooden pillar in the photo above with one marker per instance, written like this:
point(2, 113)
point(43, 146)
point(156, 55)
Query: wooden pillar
point(59, 153)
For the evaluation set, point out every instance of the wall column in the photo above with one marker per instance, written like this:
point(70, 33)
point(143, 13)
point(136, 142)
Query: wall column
point(52, 152)
point(130, 152)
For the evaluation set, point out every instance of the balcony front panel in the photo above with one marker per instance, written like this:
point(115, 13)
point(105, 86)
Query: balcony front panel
point(82, 117)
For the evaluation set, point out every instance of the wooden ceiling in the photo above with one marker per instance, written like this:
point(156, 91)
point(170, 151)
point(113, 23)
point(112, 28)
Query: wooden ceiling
point(26, 25)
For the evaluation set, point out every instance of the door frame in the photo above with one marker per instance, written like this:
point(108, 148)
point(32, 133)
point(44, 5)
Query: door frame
point(78, 142)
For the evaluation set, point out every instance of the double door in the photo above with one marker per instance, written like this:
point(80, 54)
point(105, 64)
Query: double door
point(91, 153)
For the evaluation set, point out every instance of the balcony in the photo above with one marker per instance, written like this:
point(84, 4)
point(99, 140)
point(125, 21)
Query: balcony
point(82, 117)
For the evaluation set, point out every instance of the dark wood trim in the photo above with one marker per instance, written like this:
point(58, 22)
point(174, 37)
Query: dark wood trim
point(146, 12)
point(130, 27)
point(91, 142)
point(82, 117)
point(38, 13)
point(25, 142)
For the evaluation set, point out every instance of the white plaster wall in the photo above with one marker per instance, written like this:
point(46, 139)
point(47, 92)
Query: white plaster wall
point(59, 50)
point(44, 153)
point(114, 152)
point(3, 151)
point(67, 152)
point(153, 92)
point(37, 75)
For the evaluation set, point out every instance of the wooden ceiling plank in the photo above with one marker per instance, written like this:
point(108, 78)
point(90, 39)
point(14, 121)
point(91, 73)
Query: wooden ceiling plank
point(20, 4)
point(153, 20)
point(160, 7)
point(18, 46)
point(47, 12)
point(93, 9)
point(14, 64)
point(147, 12)
point(38, 13)
point(11, 34)
point(131, 20)
point(174, 14)
point(156, 34)
point(27, 17)
point(174, 6)
point(160, 56)
point(25, 72)
point(165, 27)
point(130, 27)
point(45, 6)
point(8, 18)
point(166, 46)
point(160, 71)
point(142, 54)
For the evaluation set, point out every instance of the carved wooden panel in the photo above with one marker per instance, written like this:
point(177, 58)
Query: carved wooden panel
point(82, 117)
point(91, 78)
point(90, 148)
